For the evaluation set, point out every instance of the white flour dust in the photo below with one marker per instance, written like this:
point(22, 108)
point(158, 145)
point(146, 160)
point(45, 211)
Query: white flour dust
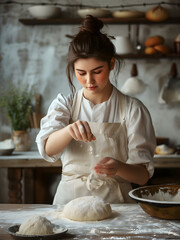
point(163, 196)
point(125, 219)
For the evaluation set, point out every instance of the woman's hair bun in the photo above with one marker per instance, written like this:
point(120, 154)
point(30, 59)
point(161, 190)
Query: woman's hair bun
point(92, 24)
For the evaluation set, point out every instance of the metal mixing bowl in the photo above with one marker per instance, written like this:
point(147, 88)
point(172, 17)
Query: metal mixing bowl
point(161, 201)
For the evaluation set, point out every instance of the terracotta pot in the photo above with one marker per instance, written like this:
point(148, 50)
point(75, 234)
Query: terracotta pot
point(21, 141)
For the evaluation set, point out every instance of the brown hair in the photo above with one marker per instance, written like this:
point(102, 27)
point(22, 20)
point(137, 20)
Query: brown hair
point(90, 42)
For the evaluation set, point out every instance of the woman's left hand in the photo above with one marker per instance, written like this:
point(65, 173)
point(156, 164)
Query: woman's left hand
point(107, 166)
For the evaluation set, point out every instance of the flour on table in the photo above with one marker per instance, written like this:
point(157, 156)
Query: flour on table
point(36, 225)
point(87, 208)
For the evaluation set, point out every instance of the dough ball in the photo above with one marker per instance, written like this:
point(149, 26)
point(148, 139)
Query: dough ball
point(36, 225)
point(87, 208)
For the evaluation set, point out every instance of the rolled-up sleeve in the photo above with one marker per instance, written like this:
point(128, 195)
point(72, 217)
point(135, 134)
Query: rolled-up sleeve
point(58, 116)
point(141, 136)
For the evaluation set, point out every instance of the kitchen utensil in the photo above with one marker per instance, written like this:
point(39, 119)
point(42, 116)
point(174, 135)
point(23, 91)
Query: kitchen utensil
point(177, 44)
point(36, 115)
point(161, 201)
point(133, 85)
point(13, 229)
point(129, 31)
point(123, 45)
point(170, 91)
point(44, 12)
point(95, 12)
point(138, 45)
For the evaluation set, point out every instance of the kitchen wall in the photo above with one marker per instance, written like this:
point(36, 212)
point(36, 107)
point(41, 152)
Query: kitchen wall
point(37, 55)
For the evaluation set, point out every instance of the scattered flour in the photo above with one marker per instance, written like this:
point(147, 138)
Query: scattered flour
point(163, 196)
point(123, 221)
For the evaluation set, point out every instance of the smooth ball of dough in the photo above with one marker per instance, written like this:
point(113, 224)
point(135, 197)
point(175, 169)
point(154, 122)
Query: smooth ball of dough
point(87, 208)
point(36, 225)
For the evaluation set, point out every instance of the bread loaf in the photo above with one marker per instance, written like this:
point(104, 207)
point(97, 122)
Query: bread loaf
point(163, 49)
point(157, 14)
point(154, 40)
point(149, 50)
point(164, 150)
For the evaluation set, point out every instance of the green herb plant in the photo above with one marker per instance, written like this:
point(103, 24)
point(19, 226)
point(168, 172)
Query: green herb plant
point(17, 101)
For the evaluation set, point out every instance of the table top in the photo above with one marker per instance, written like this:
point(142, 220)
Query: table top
point(128, 221)
point(25, 160)
point(34, 159)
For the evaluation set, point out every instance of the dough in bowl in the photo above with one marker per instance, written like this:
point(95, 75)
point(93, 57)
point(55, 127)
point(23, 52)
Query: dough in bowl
point(36, 225)
point(87, 208)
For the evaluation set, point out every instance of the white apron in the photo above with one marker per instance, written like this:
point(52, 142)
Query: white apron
point(78, 177)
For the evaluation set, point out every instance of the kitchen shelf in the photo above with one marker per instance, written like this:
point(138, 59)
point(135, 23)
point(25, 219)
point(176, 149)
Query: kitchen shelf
point(73, 21)
point(152, 56)
point(65, 21)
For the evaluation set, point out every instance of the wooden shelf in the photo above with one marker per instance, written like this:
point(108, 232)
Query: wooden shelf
point(152, 56)
point(73, 21)
point(65, 21)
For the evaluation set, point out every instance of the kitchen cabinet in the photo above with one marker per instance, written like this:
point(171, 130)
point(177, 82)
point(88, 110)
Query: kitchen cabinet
point(31, 179)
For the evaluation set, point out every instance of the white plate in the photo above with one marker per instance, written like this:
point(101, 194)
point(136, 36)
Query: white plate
point(127, 14)
point(13, 229)
point(95, 12)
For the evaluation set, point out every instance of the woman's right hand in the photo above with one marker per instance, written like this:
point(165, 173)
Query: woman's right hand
point(80, 131)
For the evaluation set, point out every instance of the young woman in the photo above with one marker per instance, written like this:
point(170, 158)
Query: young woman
point(105, 139)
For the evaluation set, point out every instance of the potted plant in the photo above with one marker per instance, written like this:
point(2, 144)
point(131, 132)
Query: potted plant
point(17, 102)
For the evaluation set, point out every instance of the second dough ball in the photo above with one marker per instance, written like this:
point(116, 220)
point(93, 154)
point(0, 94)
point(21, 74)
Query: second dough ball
point(36, 225)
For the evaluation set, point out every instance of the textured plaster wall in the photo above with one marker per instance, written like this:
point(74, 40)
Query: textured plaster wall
point(37, 55)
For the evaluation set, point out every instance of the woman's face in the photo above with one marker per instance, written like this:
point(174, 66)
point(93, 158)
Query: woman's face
point(93, 75)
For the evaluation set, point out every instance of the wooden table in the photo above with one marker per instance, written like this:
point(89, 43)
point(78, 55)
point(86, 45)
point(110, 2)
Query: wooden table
point(20, 167)
point(128, 221)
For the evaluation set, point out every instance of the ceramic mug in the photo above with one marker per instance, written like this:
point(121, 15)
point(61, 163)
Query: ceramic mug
point(123, 45)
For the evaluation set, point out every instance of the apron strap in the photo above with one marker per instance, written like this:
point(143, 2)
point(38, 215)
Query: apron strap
point(123, 107)
point(77, 105)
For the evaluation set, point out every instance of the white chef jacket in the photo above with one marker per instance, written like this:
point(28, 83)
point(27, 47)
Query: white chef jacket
point(140, 131)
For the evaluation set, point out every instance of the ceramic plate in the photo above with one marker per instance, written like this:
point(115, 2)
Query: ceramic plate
point(127, 14)
point(13, 229)
point(96, 12)
point(6, 151)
